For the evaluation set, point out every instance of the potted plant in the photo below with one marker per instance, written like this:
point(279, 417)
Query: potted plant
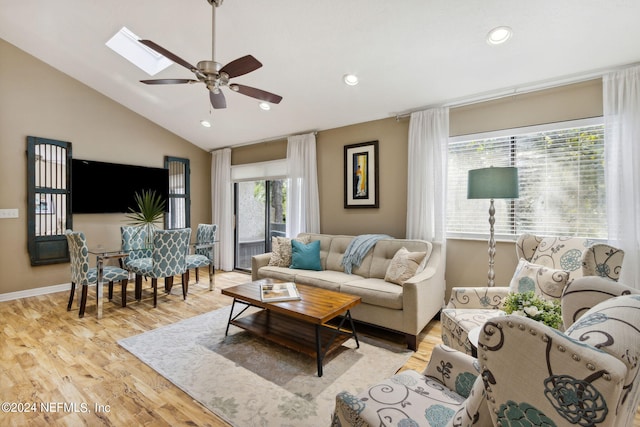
point(530, 305)
point(149, 211)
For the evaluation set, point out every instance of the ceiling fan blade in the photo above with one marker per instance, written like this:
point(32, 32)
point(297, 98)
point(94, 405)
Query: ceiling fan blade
point(217, 100)
point(168, 81)
point(162, 51)
point(260, 94)
point(241, 66)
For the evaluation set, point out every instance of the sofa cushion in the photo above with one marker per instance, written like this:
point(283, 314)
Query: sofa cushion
point(406, 399)
point(375, 292)
point(280, 273)
point(546, 282)
point(403, 266)
point(336, 252)
point(305, 257)
point(457, 323)
point(327, 279)
point(281, 250)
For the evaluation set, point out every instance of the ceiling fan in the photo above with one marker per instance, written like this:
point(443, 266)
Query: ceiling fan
point(213, 74)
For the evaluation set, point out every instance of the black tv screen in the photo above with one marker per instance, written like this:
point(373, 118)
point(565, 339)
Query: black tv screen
point(100, 187)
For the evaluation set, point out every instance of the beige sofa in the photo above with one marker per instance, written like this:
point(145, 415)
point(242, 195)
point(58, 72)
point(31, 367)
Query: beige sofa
point(405, 308)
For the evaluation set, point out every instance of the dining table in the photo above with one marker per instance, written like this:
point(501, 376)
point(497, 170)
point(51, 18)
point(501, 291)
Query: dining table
point(103, 254)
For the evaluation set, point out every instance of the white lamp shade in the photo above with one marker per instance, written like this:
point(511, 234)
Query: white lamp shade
point(493, 183)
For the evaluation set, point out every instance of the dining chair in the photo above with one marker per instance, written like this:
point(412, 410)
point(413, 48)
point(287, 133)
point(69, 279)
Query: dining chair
point(83, 275)
point(203, 256)
point(133, 239)
point(168, 258)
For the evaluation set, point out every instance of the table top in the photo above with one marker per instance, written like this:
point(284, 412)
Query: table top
point(317, 305)
point(112, 252)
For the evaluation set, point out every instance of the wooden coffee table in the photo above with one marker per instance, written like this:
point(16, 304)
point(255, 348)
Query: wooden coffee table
point(298, 325)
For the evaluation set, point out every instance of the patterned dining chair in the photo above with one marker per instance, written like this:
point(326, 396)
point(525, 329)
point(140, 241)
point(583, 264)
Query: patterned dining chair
point(168, 258)
point(85, 276)
point(134, 240)
point(205, 235)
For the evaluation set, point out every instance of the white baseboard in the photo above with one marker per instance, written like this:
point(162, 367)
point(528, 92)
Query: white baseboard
point(35, 292)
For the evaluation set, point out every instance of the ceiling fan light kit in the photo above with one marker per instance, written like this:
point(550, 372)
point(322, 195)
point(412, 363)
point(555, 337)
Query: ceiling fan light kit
point(213, 74)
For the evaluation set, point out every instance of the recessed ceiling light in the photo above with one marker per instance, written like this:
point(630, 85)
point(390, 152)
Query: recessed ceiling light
point(205, 123)
point(499, 35)
point(265, 106)
point(126, 44)
point(350, 79)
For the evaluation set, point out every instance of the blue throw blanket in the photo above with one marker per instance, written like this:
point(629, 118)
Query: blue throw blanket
point(358, 249)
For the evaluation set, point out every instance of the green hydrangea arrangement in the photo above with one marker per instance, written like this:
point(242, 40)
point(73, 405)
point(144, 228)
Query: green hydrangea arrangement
point(530, 305)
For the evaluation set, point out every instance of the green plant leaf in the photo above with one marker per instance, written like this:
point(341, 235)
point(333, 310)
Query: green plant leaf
point(149, 208)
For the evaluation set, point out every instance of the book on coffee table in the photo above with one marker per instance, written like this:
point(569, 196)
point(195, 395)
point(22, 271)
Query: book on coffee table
point(270, 292)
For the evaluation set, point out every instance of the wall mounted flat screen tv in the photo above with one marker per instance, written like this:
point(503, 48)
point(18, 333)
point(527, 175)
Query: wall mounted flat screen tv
point(100, 187)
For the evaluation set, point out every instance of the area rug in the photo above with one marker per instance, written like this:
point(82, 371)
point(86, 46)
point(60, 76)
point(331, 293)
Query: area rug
point(249, 381)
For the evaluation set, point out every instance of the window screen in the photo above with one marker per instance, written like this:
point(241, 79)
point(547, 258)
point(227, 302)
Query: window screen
point(561, 177)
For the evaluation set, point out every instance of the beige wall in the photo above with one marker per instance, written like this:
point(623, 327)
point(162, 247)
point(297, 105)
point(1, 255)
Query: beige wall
point(38, 100)
point(390, 217)
point(467, 260)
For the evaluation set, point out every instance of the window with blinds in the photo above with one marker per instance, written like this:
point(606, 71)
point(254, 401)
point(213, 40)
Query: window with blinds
point(561, 178)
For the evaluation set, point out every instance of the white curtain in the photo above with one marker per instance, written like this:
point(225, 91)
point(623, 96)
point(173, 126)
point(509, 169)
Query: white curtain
point(303, 205)
point(621, 92)
point(427, 175)
point(222, 207)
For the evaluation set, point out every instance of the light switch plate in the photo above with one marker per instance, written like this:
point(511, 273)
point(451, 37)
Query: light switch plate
point(8, 213)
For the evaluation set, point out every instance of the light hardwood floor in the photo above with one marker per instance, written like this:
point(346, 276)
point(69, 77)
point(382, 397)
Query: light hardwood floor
point(76, 374)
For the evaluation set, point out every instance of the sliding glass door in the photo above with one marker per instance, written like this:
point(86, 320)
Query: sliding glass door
point(260, 214)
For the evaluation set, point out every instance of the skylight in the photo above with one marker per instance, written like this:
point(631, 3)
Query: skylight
point(125, 43)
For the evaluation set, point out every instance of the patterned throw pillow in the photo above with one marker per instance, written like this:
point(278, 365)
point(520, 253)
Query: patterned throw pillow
point(281, 250)
point(546, 282)
point(403, 266)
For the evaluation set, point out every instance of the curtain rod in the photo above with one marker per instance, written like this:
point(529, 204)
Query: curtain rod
point(260, 141)
point(503, 93)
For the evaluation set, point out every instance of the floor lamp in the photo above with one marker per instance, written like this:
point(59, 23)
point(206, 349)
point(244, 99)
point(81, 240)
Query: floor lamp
point(492, 183)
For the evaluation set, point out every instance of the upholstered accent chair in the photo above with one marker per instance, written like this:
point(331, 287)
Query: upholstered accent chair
point(449, 392)
point(587, 376)
point(168, 258)
point(134, 242)
point(85, 276)
point(547, 265)
point(203, 252)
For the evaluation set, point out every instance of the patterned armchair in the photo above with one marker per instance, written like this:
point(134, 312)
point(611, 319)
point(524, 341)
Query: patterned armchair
point(203, 256)
point(586, 376)
point(449, 392)
point(471, 307)
point(168, 258)
point(83, 275)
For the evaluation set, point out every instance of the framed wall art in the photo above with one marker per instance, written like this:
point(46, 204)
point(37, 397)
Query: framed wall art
point(361, 175)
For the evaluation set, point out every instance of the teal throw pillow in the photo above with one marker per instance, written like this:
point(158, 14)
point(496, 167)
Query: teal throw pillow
point(305, 257)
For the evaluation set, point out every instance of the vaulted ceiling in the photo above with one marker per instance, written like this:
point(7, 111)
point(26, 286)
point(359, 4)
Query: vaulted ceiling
point(408, 54)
